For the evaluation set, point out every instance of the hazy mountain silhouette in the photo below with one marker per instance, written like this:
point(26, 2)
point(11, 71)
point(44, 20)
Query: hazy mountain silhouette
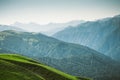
point(8, 27)
point(47, 29)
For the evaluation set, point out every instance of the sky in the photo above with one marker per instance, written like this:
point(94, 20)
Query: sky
point(56, 11)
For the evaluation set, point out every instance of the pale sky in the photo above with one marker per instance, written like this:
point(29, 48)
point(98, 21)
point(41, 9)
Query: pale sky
point(59, 11)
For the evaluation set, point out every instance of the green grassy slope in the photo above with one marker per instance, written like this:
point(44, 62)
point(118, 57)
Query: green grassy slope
point(16, 67)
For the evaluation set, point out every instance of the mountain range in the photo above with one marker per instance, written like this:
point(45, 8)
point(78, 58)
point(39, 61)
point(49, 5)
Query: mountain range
point(70, 58)
point(102, 35)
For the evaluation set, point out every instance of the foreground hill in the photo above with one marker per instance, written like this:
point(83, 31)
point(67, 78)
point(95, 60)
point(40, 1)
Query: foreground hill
point(74, 59)
point(101, 35)
point(16, 67)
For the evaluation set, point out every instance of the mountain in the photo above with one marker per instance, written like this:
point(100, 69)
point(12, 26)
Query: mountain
point(5, 51)
point(101, 35)
point(8, 27)
point(71, 58)
point(16, 67)
point(47, 29)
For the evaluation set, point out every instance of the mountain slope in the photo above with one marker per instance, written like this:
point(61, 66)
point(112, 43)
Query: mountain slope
point(39, 44)
point(101, 35)
point(16, 67)
point(97, 67)
point(53, 52)
point(5, 51)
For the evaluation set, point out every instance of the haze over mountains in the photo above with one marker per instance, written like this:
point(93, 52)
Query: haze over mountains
point(101, 35)
point(71, 58)
point(47, 29)
point(8, 27)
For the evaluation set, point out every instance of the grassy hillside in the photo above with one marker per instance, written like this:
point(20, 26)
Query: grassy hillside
point(16, 67)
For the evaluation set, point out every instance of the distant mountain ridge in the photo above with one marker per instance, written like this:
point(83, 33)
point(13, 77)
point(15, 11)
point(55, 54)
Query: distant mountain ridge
point(47, 29)
point(101, 35)
point(74, 59)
